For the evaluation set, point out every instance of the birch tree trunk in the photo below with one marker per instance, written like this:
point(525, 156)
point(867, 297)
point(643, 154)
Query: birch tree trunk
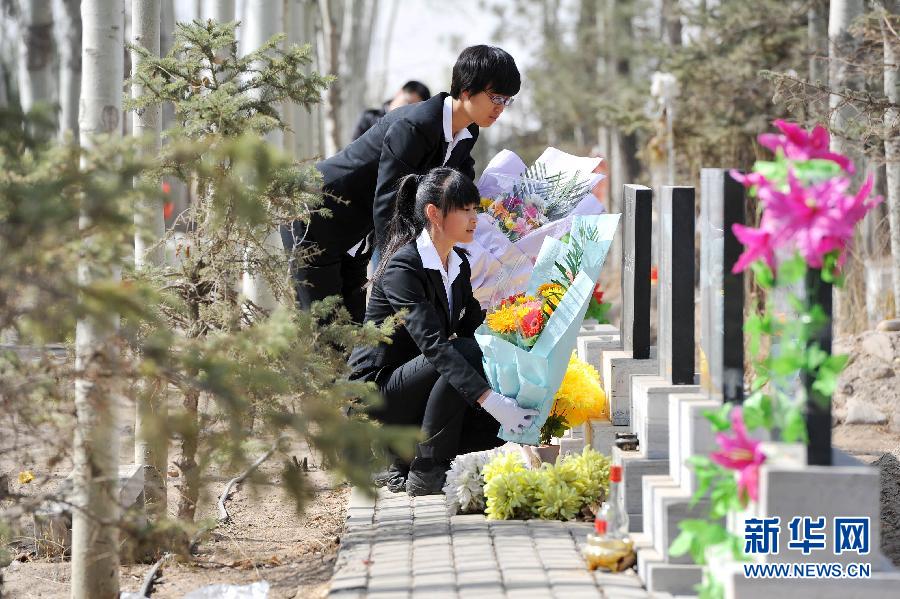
point(892, 137)
point(850, 302)
point(359, 19)
point(150, 440)
point(222, 11)
point(306, 123)
point(178, 193)
point(817, 38)
point(4, 95)
point(70, 69)
point(291, 112)
point(330, 12)
point(265, 18)
point(36, 49)
point(95, 552)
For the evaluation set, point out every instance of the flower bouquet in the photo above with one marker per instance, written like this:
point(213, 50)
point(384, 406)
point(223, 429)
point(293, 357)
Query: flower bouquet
point(520, 207)
point(527, 339)
point(580, 397)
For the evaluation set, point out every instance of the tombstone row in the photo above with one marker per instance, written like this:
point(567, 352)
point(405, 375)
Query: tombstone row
point(660, 393)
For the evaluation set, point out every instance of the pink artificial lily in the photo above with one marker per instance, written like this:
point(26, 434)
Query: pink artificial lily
point(797, 144)
point(741, 453)
point(757, 244)
point(816, 220)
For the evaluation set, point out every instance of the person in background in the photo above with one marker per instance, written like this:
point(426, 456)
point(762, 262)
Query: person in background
point(411, 92)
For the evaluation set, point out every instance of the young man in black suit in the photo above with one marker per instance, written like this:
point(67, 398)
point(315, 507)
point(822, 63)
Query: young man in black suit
point(360, 181)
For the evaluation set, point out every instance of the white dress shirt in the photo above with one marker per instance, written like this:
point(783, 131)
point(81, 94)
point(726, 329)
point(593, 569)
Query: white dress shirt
point(432, 261)
point(452, 140)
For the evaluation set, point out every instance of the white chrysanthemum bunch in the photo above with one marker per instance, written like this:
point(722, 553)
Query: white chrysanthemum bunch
point(464, 487)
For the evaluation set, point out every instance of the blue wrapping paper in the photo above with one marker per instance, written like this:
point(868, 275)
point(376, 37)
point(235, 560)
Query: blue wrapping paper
point(533, 377)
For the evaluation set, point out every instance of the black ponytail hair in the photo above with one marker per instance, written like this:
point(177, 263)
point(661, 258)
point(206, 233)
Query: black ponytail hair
point(446, 188)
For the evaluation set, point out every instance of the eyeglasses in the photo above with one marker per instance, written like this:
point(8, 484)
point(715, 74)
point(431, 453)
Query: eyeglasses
point(500, 100)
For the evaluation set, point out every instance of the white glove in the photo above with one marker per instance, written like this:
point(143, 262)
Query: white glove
point(508, 413)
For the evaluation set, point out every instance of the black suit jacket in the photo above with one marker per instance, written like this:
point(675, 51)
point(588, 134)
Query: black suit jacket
point(428, 326)
point(367, 119)
point(365, 174)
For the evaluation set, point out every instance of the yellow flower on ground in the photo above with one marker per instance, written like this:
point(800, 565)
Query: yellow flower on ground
point(26, 477)
point(580, 397)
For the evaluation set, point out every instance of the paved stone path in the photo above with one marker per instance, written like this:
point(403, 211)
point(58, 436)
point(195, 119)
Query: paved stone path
point(399, 546)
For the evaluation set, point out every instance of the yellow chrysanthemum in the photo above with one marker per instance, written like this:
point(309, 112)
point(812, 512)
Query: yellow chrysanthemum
point(503, 320)
point(486, 203)
point(580, 397)
point(551, 289)
point(552, 293)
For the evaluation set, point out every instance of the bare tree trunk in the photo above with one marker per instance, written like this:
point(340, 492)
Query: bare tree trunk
point(892, 138)
point(4, 94)
point(817, 36)
point(306, 122)
point(850, 302)
point(331, 34)
point(386, 55)
point(178, 191)
point(359, 17)
point(265, 18)
point(95, 552)
point(36, 49)
point(70, 69)
point(671, 23)
point(222, 11)
point(290, 112)
point(189, 487)
point(150, 439)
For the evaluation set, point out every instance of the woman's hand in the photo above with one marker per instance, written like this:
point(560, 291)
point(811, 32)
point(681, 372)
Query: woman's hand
point(507, 412)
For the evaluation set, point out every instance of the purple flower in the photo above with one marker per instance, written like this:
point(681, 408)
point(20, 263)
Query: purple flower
point(797, 144)
point(814, 220)
point(741, 453)
point(757, 244)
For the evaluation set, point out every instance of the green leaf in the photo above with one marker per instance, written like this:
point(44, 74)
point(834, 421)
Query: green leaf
point(699, 462)
point(682, 543)
point(815, 357)
point(720, 419)
point(836, 363)
point(815, 318)
point(815, 170)
point(794, 429)
point(760, 381)
point(787, 363)
point(757, 411)
point(763, 274)
point(773, 171)
point(792, 271)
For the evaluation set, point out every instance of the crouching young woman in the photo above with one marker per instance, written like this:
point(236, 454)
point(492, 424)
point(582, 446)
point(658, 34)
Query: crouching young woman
point(431, 374)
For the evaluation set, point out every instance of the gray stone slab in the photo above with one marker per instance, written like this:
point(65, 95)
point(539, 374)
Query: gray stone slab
point(635, 466)
point(650, 398)
point(591, 349)
point(672, 578)
point(649, 484)
point(617, 369)
point(602, 434)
